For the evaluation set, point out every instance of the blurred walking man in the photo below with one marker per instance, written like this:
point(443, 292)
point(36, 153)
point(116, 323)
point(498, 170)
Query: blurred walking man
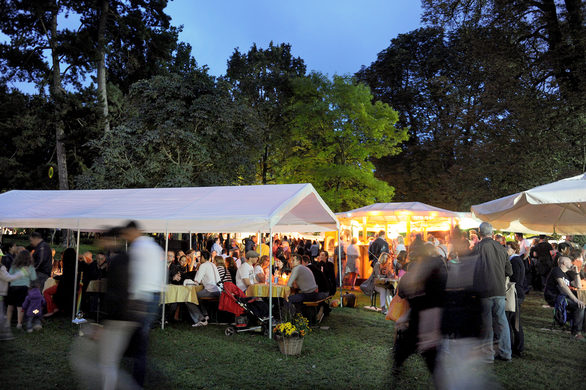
point(147, 280)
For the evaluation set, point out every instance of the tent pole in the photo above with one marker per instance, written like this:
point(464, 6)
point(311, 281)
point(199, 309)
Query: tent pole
point(408, 235)
point(190, 240)
point(75, 279)
point(271, 284)
point(165, 272)
point(340, 266)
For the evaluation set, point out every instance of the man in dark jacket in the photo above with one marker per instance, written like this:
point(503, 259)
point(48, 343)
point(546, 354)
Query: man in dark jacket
point(43, 259)
point(489, 279)
point(378, 246)
point(543, 253)
point(328, 270)
point(322, 283)
point(98, 363)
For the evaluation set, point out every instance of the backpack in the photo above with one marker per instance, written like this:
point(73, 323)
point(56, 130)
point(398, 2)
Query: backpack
point(560, 313)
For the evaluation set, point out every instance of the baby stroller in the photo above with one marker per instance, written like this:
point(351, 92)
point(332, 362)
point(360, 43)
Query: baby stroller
point(251, 314)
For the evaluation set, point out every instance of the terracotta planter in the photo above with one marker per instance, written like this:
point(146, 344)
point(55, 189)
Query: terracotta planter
point(290, 345)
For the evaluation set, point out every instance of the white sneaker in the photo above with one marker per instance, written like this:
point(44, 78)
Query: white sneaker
point(37, 327)
point(199, 324)
point(19, 326)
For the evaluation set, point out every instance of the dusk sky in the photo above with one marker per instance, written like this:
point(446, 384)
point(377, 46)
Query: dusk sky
point(331, 36)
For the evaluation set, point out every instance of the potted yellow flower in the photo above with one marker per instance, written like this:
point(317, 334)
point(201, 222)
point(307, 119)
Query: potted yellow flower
point(290, 335)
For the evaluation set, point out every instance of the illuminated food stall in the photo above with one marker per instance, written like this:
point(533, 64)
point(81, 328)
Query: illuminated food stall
point(398, 218)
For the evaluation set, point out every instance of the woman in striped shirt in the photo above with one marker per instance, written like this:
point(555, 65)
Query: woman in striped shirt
point(221, 265)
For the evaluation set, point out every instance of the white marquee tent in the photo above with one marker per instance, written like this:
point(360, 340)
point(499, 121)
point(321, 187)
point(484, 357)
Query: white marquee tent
point(558, 206)
point(281, 207)
point(267, 208)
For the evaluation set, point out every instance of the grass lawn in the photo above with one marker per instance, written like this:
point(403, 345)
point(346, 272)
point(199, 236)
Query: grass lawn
point(355, 352)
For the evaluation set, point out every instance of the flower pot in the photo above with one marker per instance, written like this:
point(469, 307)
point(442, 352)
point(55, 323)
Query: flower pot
point(290, 345)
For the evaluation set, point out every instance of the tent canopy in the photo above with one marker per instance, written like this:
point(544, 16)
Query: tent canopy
point(396, 212)
point(281, 207)
point(558, 206)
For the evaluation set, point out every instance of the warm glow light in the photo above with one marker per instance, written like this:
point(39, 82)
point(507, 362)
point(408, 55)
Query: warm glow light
point(374, 213)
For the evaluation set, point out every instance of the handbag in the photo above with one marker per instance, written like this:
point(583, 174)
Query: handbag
point(367, 286)
point(397, 308)
point(510, 296)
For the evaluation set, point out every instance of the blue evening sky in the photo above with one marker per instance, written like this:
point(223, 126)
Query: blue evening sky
point(331, 36)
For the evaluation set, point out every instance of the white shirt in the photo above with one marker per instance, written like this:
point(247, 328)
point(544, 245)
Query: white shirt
point(208, 275)
point(523, 247)
point(148, 267)
point(244, 272)
point(258, 270)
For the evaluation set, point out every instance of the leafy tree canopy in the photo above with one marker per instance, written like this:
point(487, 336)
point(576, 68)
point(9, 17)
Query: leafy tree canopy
point(336, 129)
point(261, 79)
point(180, 130)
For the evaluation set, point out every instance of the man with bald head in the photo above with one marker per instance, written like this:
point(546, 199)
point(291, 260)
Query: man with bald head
point(558, 285)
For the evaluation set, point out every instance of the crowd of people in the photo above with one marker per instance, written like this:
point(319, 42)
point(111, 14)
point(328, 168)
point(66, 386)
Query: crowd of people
point(308, 270)
point(459, 288)
point(467, 296)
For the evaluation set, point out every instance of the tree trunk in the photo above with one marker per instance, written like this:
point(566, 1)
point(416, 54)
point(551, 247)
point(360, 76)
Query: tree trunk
point(57, 96)
point(102, 91)
point(265, 163)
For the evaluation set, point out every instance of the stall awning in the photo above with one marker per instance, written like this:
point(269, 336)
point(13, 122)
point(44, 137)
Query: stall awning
point(396, 212)
point(280, 207)
point(558, 206)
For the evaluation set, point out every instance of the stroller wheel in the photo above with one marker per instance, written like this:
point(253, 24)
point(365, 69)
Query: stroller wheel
point(229, 331)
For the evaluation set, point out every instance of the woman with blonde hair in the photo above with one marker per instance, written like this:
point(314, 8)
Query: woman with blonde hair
point(381, 269)
point(264, 264)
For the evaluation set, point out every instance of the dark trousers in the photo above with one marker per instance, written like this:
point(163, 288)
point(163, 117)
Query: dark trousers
point(140, 340)
point(298, 299)
point(41, 279)
point(516, 329)
point(406, 345)
point(576, 315)
point(32, 320)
